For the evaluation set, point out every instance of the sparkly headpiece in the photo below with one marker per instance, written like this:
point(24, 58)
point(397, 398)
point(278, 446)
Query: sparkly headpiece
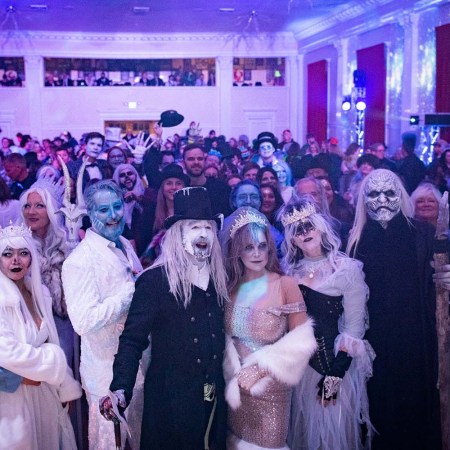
point(298, 215)
point(245, 218)
point(12, 231)
point(54, 187)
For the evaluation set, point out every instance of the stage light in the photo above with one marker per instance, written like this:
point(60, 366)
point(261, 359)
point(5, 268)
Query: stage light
point(414, 120)
point(346, 103)
point(360, 104)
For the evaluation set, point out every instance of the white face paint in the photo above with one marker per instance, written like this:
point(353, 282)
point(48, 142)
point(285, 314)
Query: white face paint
point(382, 197)
point(266, 150)
point(198, 237)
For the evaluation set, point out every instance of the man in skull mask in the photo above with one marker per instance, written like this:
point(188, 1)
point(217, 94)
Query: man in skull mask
point(396, 251)
point(178, 301)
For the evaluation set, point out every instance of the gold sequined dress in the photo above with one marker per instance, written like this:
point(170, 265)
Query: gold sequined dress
point(261, 420)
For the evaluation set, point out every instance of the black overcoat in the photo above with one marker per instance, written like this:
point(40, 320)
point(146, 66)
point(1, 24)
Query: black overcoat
point(187, 347)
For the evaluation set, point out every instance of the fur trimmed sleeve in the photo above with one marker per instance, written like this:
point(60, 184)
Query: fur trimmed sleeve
point(286, 359)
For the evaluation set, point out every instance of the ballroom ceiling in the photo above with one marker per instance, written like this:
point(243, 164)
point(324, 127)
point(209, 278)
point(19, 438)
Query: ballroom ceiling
point(169, 16)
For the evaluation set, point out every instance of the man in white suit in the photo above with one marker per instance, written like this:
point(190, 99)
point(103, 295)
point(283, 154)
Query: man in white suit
point(98, 279)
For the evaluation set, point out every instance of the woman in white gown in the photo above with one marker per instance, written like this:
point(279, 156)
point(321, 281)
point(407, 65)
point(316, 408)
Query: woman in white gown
point(34, 416)
point(330, 402)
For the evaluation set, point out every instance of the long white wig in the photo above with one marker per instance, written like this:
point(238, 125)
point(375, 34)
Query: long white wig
point(406, 207)
point(52, 249)
point(176, 262)
point(329, 239)
point(32, 280)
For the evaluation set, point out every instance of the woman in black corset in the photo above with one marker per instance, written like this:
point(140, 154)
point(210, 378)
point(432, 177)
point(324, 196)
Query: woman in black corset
point(330, 403)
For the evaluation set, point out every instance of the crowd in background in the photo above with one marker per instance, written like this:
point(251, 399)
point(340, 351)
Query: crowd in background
point(297, 188)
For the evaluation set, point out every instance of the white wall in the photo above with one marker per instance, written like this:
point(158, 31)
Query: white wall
point(46, 111)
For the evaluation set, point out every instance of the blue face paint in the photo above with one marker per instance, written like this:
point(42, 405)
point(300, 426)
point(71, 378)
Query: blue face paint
point(107, 216)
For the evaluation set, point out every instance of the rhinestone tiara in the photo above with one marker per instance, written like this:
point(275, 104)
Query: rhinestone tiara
point(245, 218)
point(12, 231)
point(298, 215)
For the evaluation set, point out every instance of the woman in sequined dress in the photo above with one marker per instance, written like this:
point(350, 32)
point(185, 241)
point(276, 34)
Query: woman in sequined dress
point(269, 337)
point(330, 402)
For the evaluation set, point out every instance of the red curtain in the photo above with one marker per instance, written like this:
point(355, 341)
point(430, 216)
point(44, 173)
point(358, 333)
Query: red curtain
point(443, 74)
point(317, 99)
point(372, 61)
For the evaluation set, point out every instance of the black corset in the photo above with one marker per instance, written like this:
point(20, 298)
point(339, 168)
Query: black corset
point(325, 310)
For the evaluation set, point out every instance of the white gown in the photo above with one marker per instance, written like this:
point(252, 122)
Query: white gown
point(32, 417)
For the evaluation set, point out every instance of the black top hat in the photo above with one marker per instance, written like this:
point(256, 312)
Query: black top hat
point(170, 118)
point(192, 203)
point(174, 171)
point(266, 136)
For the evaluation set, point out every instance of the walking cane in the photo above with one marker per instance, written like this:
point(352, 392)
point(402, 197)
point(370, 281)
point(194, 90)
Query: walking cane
point(117, 435)
point(443, 321)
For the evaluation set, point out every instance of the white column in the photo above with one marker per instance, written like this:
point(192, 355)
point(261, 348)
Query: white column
point(344, 84)
point(224, 72)
point(300, 136)
point(410, 103)
point(34, 72)
point(294, 88)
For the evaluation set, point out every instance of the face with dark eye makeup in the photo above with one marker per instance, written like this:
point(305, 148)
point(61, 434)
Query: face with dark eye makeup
point(15, 262)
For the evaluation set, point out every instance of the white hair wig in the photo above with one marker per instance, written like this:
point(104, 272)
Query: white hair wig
point(176, 262)
point(406, 207)
point(33, 277)
point(52, 249)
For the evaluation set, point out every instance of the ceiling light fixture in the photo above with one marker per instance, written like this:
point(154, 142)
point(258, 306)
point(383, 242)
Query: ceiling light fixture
point(227, 10)
point(141, 10)
point(39, 7)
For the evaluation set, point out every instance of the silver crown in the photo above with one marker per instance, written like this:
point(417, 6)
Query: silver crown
point(298, 215)
point(245, 218)
point(54, 187)
point(12, 231)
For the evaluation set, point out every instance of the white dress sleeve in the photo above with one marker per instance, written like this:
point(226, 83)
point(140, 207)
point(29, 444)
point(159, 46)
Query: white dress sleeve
point(354, 320)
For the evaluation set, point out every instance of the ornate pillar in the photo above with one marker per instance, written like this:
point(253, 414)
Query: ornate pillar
point(34, 69)
point(224, 71)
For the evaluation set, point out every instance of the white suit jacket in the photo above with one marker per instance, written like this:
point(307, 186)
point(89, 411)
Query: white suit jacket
point(98, 287)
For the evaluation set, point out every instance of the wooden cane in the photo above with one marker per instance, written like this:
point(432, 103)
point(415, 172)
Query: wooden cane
point(443, 321)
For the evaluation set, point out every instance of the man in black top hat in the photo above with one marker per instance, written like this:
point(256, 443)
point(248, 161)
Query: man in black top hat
point(179, 302)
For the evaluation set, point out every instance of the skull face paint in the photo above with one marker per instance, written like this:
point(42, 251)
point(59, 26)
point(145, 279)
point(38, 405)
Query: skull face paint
point(382, 196)
point(198, 238)
point(107, 216)
point(266, 150)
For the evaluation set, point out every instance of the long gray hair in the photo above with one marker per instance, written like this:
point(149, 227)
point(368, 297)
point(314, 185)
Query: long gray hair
point(176, 262)
point(406, 207)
